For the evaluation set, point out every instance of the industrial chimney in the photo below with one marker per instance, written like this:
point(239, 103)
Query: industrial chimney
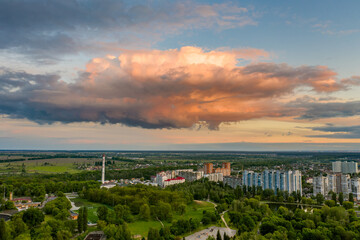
point(103, 170)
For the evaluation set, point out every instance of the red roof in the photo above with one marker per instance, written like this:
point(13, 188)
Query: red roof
point(173, 179)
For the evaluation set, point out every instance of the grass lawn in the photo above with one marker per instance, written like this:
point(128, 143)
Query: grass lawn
point(142, 227)
point(53, 169)
point(91, 206)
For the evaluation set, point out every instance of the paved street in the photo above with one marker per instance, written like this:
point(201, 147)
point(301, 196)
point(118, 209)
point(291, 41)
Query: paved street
point(211, 231)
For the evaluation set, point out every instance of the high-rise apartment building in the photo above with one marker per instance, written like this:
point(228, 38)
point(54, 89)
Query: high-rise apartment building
point(225, 169)
point(208, 168)
point(337, 183)
point(355, 188)
point(277, 180)
point(344, 167)
point(320, 185)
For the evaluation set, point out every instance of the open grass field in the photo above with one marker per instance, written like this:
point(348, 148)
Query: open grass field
point(52, 165)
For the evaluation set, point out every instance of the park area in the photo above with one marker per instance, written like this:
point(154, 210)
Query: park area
point(193, 210)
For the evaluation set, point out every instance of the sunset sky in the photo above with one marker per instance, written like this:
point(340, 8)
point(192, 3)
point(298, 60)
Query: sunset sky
point(180, 75)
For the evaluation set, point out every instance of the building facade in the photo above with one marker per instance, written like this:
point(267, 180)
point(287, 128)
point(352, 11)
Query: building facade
point(191, 175)
point(320, 185)
point(225, 169)
point(345, 167)
point(232, 181)
point(173, 181)
point(214, 177)
point(276, 180)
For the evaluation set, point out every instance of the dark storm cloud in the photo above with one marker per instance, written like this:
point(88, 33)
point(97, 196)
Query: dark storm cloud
point(48, 29)
point(347, 132)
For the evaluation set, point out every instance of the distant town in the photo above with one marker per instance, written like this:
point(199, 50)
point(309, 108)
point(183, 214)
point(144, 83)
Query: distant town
point(155, 191)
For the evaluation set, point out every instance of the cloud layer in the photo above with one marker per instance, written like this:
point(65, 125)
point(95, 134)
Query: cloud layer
point(341, 132)
point(50, 29)
point(164, 89)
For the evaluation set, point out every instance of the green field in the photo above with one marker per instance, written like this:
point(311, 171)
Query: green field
point(46, 166)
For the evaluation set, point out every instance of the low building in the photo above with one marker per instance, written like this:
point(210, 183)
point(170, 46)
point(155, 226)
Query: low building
point(73, 215)
point(108, 185)
point(98, 235)
point(21, 199)
point(173, 181)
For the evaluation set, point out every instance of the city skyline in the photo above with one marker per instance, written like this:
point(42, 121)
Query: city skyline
point(174, 75)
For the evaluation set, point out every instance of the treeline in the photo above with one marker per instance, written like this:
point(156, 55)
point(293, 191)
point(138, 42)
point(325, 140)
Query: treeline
point(250, 216)
point(204, 189)
point(37, 187)
point(30, 224)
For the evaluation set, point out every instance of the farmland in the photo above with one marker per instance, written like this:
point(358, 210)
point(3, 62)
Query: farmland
point(46, 166)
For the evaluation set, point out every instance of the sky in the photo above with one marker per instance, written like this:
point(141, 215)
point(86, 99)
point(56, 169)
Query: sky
point(180, 75)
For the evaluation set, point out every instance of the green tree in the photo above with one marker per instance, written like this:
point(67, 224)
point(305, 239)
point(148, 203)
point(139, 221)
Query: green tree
point(63, 235)
point(348, 205)
point(33, 217)
point(182, 209)
point(320, 199)
point(4, 231)
point(18, 225)
point(123, 212)
point(341, 198)
point(9, 205)
point(102, 213)
point(80, 221)
point(351, 197)
point(144, 213)
point(85, 218)
point(333, 197)
point(23, 169)
point(153, 234)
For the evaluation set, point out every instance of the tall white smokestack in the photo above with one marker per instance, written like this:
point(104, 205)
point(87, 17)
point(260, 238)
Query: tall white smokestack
point(103, 170)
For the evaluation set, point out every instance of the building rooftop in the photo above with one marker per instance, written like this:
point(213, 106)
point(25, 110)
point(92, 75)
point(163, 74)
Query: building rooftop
point(173, 179)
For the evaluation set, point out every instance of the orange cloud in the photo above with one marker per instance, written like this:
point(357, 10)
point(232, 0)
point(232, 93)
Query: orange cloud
point(172, 89)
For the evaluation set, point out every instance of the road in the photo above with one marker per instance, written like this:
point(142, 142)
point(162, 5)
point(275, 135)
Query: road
point(221, 214)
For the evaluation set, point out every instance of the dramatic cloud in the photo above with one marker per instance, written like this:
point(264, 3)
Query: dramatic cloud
point(349, 132)
point(163, 89)
point(50, 29)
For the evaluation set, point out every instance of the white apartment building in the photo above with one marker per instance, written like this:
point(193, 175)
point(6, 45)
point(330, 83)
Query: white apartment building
point(277, 180)
point(321, 184)
point(173, 181)
point(191, 175)
point(355, 188)
point(214, 177)
point(337, 183)
point(344, 167)
point(232, 181)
